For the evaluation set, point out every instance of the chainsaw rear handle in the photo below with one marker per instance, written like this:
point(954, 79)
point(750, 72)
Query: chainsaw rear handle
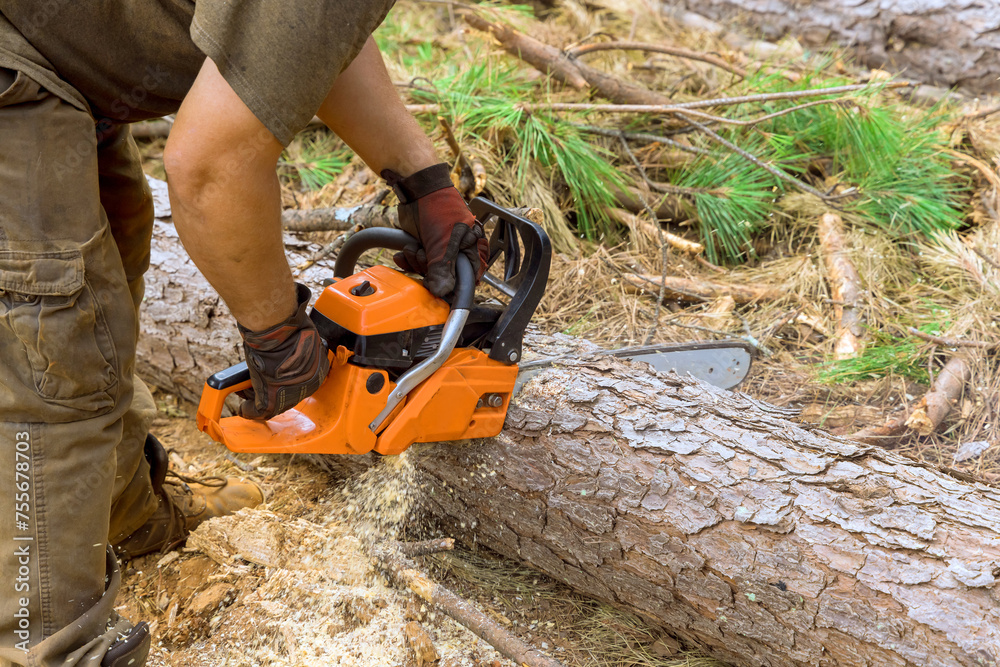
point(397, 239)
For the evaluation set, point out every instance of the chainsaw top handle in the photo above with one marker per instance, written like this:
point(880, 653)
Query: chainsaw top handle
point(397, 239)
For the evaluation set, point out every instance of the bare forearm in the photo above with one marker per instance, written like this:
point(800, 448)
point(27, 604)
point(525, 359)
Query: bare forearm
point(233, 233)
point(364, 109)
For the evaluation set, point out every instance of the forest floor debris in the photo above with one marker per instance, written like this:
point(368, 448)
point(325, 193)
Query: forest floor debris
point(290, 584)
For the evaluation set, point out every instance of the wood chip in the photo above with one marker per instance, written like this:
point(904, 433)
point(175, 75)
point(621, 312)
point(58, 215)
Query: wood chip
point(420, 643)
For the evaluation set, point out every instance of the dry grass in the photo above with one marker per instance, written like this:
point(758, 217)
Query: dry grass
point(590, 634)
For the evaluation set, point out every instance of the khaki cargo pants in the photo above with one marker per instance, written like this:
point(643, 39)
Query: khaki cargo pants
point(75, 222)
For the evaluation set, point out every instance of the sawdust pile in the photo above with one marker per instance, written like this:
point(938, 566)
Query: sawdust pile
point(315, 597)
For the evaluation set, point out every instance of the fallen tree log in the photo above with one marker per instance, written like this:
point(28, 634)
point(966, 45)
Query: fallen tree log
point(947, 42)
point(739, 532)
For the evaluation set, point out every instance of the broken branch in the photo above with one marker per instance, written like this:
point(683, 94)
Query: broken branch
point(932, 408)
point(951, 342)
point(370, 214)
point(339, 219)
point(555, 63)
point(539, 55)
point(678, 52)
point(704, 290)
point(673, 240)
point(805, 187)
point(844, 286)
point(937, 403)
point(425, 548)
point(406, 573)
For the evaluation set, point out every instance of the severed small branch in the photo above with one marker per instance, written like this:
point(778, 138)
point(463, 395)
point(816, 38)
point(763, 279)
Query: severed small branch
point(339, 219)
point(845, 286)
point(703, 290)
point(461, 173)
point(703, 104)
point(370, 214)
point(421, 644)
point(760, 119)
point(678, 52)
point(670, 207)
point(756, 344)
point(930, 410)
point(425, 548)
point(935, 405)
point(952, 342)
point(673, 240)
point(674, 108)
point(405, 572)
point(554, 62)
point(541, 56)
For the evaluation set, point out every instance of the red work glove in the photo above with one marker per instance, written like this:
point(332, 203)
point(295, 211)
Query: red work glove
point(432, 210)
point(287, 362)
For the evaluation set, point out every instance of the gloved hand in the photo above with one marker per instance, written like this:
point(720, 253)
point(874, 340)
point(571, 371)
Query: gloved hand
point(287, 362)
point(432, 210)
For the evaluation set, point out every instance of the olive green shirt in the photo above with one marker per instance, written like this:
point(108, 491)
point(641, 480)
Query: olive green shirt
point(131, 60)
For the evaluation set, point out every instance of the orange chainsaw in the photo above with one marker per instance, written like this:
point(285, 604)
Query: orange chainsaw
point(406, 367)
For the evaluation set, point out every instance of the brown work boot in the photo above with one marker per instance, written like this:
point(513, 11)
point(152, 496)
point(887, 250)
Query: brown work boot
point(185, 503)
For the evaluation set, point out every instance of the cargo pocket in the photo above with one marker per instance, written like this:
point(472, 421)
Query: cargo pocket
point(7, 79)
point(12, 85)
point(54, 314)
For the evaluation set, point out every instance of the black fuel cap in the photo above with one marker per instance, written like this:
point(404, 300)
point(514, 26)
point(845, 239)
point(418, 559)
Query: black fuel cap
point(364, 289)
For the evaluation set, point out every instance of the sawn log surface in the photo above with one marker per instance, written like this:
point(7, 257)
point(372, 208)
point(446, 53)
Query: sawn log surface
point(758, 540)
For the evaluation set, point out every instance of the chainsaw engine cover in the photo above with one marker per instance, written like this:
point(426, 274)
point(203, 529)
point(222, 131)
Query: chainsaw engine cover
point(387, 319)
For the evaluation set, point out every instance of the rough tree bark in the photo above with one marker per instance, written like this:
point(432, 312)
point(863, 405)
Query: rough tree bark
point(943, 42)
point(741, 533)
